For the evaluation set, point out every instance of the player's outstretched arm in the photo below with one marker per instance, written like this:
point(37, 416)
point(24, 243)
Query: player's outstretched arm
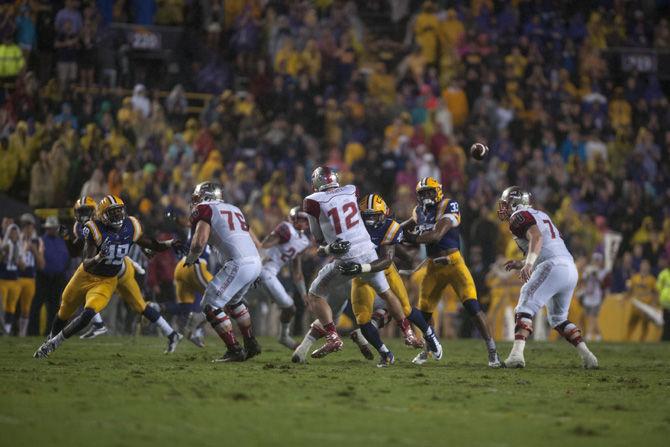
point(153, 244)
point(91, 256)
point(198, 242)
point(434, 235)
point(270, 240)
point(534, 237)
point(385, 260)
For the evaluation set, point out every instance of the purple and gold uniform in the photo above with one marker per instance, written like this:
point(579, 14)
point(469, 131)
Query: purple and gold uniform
point(387, 232)
point(94, 287)
point(434, 278)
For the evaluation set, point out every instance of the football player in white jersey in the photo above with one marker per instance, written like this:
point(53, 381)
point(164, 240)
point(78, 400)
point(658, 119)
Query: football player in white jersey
point(549, 274)
point(223, 226)
point(284, 244)
point(337, 226)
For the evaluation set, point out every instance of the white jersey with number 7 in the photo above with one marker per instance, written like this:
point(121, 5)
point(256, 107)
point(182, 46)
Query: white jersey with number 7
point(337, 213)
point(552, 242)
point(229, 230)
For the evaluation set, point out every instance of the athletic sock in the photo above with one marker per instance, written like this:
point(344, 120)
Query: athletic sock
point(360, 338)
point(285, 329)
point(582, 349)
point(490, 344)
point(330, 328)
point(23, 326)
point(164, 326)
point(416, 317)
point(518, 347)
point(97, 320)
point(371, 334)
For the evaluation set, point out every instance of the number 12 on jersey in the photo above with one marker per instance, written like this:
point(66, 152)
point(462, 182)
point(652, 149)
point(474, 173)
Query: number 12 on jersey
point(349, 210)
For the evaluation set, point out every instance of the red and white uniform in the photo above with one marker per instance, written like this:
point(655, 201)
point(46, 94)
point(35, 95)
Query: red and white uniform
point(554, 276)
point(334, 214)
point(292, 243)
point(229, 235)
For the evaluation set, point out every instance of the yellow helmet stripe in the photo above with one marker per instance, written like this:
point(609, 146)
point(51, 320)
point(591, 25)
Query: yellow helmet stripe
point(111, 199)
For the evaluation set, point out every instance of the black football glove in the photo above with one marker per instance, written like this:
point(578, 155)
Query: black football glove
point(339, 247)
point(350, 268)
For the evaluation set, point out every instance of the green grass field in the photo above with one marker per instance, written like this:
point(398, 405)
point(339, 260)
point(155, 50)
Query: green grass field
point(122, 391)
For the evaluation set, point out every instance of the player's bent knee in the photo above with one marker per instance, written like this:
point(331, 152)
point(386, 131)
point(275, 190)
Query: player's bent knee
point(523, 322)
point(472, 306)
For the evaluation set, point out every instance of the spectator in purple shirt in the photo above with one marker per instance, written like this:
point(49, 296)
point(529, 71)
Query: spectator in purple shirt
point(51, 280)
point(69, 13)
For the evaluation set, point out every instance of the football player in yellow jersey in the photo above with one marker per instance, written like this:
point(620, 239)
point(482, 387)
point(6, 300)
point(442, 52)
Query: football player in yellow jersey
point(128, 288)
point(641, 286)
point(435, 222)
point(385, 233)
point(107, 240)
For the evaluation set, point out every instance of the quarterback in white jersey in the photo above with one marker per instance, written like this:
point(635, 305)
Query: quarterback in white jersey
point(549, 274)
point(225, 228)
point(337, 226)
point(285, 244)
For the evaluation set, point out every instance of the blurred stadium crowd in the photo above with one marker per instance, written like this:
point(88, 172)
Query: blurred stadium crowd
point(388, 94)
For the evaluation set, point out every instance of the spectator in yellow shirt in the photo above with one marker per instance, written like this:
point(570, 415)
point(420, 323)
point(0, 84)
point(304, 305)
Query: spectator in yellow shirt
point(287, 60)
point(452, 29)
point(426, 32)
point(641, 286)
point(620, 111)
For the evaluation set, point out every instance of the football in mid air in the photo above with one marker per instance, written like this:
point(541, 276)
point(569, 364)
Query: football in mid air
point(479, 151)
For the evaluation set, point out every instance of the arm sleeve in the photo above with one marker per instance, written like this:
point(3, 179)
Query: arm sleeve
point(520, 223)
point(201, 212)
point(315, 229)
point(452, 212)
point(137, 228)
point(91, 232)
point(311, 207)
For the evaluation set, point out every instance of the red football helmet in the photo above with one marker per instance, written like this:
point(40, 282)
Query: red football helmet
point(324, 178)
point(510, 200)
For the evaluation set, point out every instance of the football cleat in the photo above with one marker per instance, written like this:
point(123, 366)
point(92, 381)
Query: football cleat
point(173, 341)
point(411, 339)
point(197, 338)
point(43, 351)
point(252, 347)
point(494, 359)
point(94, 331)
point(515, 361)
point(333, 344)
point(421, 358)
point(386, 359)
point(590, 361)
point(300, 353)
point(287, 341)
point(363, 347)
point(237, 354)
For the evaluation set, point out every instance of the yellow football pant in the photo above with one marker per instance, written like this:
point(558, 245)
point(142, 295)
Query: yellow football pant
point(129, 290)
point(26, 296)
point(10, 289)
point(363, 295)
point(437, 277)
point(93, 291)
point(190, 281)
